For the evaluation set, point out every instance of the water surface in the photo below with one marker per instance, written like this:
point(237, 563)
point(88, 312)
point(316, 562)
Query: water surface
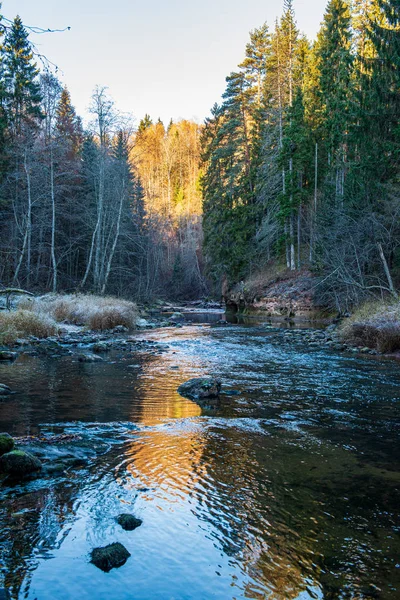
point(288, 490)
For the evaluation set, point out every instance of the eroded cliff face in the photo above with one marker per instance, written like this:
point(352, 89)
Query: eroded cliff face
point(288, 295)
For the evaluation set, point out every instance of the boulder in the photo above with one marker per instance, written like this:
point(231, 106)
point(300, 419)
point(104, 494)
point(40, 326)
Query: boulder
point(200, 388)
point(6, 355)
point(18, 463)
point(128, 522)
point(110, 557)
point(6, 443)
point(4, 389)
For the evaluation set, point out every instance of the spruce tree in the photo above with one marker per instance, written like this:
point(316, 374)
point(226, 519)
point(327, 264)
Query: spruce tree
point(145, 123)
point(335, 64)
point(385, 84)
point(20, 74)
point(3, 111)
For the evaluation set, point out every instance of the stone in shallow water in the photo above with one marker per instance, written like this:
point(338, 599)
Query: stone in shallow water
point(6, 355)
point(110, 557)
point(89, 358)
point(4, 389)
point(100, 347)
point(6, 443)
point(128, 522)
point(18, 463)
point(141, 323)
point(200, 388)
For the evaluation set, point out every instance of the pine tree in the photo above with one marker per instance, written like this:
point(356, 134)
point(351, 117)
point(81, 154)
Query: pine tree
point(20, 74)
point(254, 65)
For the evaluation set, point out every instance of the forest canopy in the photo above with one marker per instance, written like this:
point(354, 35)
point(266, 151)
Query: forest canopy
point(297, 168)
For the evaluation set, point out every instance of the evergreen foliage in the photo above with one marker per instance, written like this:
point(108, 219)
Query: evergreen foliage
point(301, 161)
point(22, 89)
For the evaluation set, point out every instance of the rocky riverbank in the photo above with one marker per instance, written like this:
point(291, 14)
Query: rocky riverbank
point(289, 295)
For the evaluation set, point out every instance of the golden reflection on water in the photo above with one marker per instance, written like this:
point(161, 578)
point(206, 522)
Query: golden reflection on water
point(187, 463)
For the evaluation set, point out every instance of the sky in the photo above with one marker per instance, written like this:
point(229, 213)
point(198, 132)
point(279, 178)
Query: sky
point(167, 58)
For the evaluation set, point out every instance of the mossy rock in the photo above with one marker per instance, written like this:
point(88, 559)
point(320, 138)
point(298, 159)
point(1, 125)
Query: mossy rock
point(200, 388)
point(128, 522)
point(110, 557)
point(18, 464)
point(6, 443)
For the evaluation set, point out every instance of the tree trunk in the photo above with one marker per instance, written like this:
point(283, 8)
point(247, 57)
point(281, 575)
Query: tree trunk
point(53, 220)
point(115, 241)
point(387, 271)
point(26, 245)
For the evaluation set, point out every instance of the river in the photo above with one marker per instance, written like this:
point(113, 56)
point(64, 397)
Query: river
point(287, 490)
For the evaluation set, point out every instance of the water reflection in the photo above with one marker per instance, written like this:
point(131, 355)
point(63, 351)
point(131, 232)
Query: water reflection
point(289, 490)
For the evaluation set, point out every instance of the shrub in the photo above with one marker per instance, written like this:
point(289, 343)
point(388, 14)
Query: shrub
point(374, 325)
point(22, 323)
point(388, 338)
point(108, 318)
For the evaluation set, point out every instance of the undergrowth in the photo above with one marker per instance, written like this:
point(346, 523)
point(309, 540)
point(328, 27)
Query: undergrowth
point(95, 312)
point(22, 323)
point(374, 325)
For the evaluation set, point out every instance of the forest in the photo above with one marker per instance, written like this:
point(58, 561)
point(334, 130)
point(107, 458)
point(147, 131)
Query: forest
point(107, 209)
point(297, 168)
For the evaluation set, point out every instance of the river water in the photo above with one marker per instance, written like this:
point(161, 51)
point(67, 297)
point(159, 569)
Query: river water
point(287, 490)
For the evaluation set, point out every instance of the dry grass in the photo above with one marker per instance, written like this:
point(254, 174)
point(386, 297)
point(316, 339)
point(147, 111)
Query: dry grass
point(22, 323)
point(40, 316)
point(374, 325)
point(95, 312)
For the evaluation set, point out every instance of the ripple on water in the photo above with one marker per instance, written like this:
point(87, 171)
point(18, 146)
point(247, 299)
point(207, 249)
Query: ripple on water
point(288, 490)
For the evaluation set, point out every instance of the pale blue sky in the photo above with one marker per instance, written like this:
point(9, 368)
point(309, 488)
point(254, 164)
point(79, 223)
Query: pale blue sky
point(166, 58)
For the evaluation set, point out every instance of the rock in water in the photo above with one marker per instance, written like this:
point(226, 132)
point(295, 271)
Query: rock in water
point(110, 557)
point(89, 358)
point(120, 329)
point(6, 355)
point(128, 522)
point(4, 389)
point(141, 323)
point(100, 347)
point(6, 443)
point(177, 317)
point(18, 463)
point(199, 388)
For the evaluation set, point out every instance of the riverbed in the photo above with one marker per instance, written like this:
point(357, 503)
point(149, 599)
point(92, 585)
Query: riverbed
point(288, 489)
